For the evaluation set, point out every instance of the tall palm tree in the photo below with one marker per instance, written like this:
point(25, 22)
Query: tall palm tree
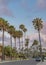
point(19, 35)
point(22, 27)
point(15, 36)
point(26, 44)
point(11, 31)
point(3, 26)
point(35, 47)
point(38, 25)
point(24, 30)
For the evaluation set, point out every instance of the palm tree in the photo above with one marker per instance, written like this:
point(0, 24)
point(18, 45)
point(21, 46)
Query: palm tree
point(26, 44)
point(11, 31)
point(35, 48)
point(15, 36)
point(35, 43)
point(19, 35)
point(24, 30)
point(22, 27)
point(38, 25)
point(3, 26)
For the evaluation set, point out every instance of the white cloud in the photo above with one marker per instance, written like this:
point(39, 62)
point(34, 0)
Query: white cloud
point(4, 10)
point(44, 28)
point(34, 36)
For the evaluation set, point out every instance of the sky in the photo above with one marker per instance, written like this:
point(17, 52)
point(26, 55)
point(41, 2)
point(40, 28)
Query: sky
point(18, 12)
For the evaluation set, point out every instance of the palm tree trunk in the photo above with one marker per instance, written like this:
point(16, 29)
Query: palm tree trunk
point(22, 44)
point(11, 47)
point(19, 44)
point(25, 34)
point(3, 57)
point(15, 43)
point(27, 51)
point(40, 45)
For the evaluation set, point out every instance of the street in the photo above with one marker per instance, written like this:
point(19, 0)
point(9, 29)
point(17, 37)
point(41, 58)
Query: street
point(24, 62)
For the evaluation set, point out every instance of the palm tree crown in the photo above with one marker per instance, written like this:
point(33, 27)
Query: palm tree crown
point(3, 24)
point(24, 29)
point(11, 29)
point(21, 26)
point(35, 43)
point(19, 34)
point(38, 24)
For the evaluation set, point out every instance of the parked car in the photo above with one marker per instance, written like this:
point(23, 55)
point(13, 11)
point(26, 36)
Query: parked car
point(38, 59)
point(45, 58)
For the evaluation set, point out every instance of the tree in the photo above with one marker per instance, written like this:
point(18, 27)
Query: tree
point(19, 35)
point(26, 45)
point(7, 50)
point(3, 26)
point(27, 42)
point(15, 36)
point(11, 31)
point(22, 27)
point(35, 48)
point(24, 30)
point(14, 52)
point(38, 25)
point(35, 43)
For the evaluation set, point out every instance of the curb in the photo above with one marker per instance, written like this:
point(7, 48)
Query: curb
point(12, 61)
point(6, 61)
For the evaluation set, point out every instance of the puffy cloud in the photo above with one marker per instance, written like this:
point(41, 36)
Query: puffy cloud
point(6, 39)
point(4, 10)
point(39, 4)
point(43, 36)
point(44, 28)
point(34, 36)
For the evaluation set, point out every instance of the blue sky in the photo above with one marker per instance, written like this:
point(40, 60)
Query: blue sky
point(23, 11)
point(18, 12)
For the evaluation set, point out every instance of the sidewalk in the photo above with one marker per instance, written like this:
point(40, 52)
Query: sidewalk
point(42, 63)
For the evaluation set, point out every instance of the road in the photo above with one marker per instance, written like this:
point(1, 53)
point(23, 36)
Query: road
point(24, 62)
